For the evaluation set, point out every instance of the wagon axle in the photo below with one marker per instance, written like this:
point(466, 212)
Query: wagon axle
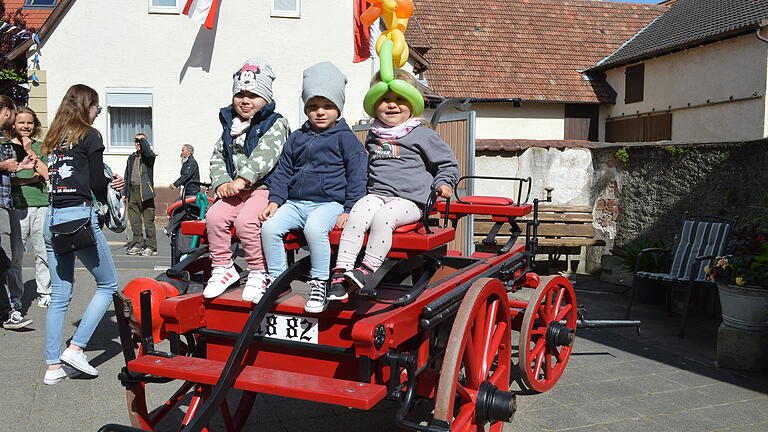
point(559, 335)
point(494, 404)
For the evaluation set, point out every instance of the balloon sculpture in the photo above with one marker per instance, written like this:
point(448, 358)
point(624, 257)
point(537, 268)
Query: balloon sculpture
point(392, 51)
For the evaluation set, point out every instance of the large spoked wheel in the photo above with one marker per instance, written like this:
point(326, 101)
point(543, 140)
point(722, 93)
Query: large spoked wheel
point(547, 333)
point(477, 362)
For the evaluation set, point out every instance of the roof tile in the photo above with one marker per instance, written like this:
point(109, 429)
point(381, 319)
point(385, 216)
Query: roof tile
point(530, 49)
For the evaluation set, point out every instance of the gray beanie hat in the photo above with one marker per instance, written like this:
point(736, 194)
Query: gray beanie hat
point(255, 76)
point(326, 80)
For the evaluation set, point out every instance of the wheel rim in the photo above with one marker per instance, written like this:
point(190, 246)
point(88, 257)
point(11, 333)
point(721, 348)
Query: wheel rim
point(478, 351)
point(542, 358)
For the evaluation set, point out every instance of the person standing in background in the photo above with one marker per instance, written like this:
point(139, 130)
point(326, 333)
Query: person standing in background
point(189, 172)
point(139, 193)
point(30, 202)
point(10, 316)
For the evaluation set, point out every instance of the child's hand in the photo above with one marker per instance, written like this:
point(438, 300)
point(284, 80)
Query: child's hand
point(444, 191)
point(342, 220)
point(225, 190)
point(237, 185)
point(268, 211)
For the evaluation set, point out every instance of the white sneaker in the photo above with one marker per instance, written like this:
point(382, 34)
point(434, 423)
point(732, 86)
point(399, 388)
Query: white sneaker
point(77, 360)
point(221, 279)
point(256, 286)
point(54, 376)
point(318, 296)
point(44, 300)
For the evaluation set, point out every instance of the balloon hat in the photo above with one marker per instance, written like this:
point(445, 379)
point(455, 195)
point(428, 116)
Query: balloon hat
point(393, 52)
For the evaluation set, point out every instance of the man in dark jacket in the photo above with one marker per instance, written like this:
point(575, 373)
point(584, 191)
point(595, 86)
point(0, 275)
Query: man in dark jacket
point(139, 192)
point(189, 172)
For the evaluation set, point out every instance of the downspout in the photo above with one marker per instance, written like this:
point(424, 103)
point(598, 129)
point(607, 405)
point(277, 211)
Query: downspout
point(762, 24)
point(759, 36)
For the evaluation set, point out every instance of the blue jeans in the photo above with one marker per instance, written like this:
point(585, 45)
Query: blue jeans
point(316, 219)
point(98, 261)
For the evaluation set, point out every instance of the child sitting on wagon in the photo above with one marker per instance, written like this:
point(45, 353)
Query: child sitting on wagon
point(320, 176)
point(243, 158)
point(407, 160)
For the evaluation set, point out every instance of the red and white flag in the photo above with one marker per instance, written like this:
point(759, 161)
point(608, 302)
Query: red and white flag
point(202, 11)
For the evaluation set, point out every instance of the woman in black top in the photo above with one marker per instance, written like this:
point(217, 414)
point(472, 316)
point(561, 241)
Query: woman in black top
point(76, 169)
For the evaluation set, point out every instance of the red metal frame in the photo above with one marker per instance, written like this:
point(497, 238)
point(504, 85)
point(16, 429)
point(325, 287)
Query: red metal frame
point(356, 330)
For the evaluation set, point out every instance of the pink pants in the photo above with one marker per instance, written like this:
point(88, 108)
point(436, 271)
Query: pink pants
point(242, 212)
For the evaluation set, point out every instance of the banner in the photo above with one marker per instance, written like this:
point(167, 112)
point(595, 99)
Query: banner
point(202, 12)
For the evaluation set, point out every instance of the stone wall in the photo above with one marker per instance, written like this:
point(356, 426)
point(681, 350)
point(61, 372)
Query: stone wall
point(648, 197)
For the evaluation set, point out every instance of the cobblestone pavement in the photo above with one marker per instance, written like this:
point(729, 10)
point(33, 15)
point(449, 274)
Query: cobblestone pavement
point(616, 379)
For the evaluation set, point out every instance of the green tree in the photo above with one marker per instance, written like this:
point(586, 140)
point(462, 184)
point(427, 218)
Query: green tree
point(13, 72)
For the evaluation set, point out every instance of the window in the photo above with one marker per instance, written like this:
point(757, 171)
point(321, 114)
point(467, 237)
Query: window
point(129, 111)
point(164, 6)
point(39, 4)
point(633, 83)
point(286, 8)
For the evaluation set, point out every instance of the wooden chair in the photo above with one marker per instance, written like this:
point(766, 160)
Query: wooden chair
point(700, 240)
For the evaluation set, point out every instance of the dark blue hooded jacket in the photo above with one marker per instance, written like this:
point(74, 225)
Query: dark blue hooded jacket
point(325, 167)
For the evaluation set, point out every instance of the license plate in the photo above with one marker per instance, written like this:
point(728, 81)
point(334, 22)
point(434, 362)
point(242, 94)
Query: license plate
point(288, 327)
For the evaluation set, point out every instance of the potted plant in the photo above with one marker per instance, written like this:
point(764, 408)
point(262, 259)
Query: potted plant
point(742, 276)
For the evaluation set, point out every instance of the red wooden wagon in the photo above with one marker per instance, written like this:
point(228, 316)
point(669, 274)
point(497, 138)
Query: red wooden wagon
point(432, 324)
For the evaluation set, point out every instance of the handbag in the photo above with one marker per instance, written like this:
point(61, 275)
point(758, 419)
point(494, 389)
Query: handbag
point(68, 237)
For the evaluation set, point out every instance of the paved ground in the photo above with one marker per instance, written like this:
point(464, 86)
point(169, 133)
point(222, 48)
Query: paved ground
point(616, 380)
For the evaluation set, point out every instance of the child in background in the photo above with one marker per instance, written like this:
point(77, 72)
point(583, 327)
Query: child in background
point(406, 161)
point(245, 155)
point(320, 176)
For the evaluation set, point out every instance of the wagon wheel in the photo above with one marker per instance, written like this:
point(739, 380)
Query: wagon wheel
point(477, 360)
point(547, 333)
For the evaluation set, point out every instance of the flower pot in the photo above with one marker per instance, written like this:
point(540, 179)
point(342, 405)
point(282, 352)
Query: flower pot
point(744, 308)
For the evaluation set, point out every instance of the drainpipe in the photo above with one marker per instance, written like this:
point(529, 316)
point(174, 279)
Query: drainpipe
point(763, 23)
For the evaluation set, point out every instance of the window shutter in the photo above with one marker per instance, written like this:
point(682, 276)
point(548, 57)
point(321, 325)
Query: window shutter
point(634, 77)
point(129, 99)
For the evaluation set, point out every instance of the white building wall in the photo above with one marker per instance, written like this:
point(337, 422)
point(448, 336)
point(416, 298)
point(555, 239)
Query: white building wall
point(541, 121)
point(110, 43)
point(730, 74)
point(565, 170)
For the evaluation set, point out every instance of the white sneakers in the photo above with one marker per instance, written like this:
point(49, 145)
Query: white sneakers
point(44, 300)
point(54, 376)
point(256, 286)
point(222, 277)
point(77, 360)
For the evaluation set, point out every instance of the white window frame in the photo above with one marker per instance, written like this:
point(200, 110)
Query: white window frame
point(165, 9)
point(133, 90)
point(284, 13)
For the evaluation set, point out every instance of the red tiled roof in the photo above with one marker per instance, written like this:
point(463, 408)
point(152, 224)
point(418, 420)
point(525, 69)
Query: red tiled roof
point(531, 49)
point(522, 144)
point(34, 17)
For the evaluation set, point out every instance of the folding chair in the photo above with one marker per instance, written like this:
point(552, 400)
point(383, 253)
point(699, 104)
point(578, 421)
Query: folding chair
point(700, 240)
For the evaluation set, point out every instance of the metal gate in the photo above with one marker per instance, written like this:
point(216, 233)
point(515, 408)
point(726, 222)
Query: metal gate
point(458, 131)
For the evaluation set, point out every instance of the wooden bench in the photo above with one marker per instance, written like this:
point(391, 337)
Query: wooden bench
point(563, 230)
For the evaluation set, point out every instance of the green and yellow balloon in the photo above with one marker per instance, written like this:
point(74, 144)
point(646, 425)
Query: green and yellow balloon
point(388, 82)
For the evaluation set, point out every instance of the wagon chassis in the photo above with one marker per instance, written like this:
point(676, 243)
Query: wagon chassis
point(492, 404)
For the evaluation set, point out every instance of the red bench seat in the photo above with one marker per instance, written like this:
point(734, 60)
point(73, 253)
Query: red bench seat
point(485, 205)
point(406, 240)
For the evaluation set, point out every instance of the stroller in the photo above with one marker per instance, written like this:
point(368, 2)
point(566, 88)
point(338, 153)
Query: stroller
point(189, 208)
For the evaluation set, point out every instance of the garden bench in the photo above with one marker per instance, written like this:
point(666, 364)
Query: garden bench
point(563, 230)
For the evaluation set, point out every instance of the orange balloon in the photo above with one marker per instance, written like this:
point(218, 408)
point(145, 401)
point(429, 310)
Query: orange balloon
point(371, 14)
point(404, 8)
